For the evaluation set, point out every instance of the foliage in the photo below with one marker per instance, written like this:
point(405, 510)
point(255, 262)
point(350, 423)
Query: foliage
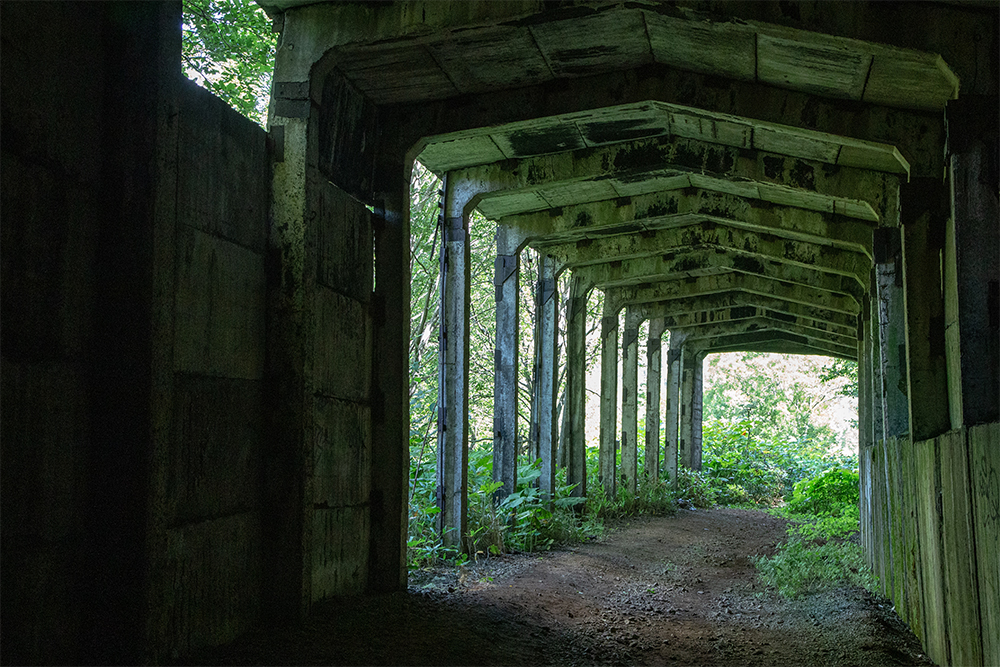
point(841, 369)
point(761, 435)
point(652, 498)
point(694, 487)
point(843, 525)
point(830, 492)
point(744, 465)
point(784, 396)
point(820, 552)
point(801, 568)
point(227, 46)
point(523, 521)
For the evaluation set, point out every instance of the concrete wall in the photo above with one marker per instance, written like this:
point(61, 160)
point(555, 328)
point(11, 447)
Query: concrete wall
point(135, 216)
point(206, 489)
point(340, 351)
point(49, 196)
point(933, 531)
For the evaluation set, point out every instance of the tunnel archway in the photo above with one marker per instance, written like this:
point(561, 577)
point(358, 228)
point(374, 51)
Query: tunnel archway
point(654, 169)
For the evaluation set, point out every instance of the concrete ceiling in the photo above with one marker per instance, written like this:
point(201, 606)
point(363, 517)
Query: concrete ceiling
point(745, 234)
point(612, 38)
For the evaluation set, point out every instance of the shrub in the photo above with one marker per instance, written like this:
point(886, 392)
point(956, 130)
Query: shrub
point(693, 486)
point(830, 492)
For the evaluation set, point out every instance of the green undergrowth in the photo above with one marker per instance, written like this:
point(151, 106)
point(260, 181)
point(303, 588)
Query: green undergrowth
point(820, 551)
point(796, 478)
point(527, 520)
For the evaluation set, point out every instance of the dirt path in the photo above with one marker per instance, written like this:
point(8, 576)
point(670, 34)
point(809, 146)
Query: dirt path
point(678, 591)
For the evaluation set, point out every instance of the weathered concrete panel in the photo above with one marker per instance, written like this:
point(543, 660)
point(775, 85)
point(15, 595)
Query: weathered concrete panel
point(339, 551)
point(913, 489)
point(215, 458)
point(723, 49)
point(343, 240)
point(50, 86)
point(43, 479)
point(212, 579)
point(341, 453)
point(40, 584)
point(48, 247)
point(224, 186)
point(894, 527)
point(342, 343)
point(930, 604)
point(984, 459)
point(219, 305)
point(959, 560)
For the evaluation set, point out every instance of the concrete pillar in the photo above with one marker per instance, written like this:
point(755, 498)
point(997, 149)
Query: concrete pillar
point(453, 368)
point(892, 330)
point(547, 369)
point(630, 399)
point(609, 400)
point(972, 309)
point(286, 595)
point(390, 379)
point(673, 389)
point(506, 283)
point(875, 369)
point(576, 377)
point(689, 449)
point(653, 353)
point(923, 232)
point(696, 407)
point(864, 375)
point(865, 426)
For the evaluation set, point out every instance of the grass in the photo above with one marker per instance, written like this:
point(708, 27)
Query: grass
point(818, 555)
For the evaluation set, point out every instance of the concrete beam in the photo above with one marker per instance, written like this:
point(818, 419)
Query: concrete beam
point(709, 235)
point(689, 442)
point(693, 263)
point(875, 355)
point(630, 401)
point(607, 458)
point(743, 313)
point(526, 200)
point(654, 347)
point(729, 282)
point(758, 324)
point(390, 404)
point(708, 307)
point(777, 341)
point(679, 208)
point(633, 167)
point(756, 104)
point(972, 305)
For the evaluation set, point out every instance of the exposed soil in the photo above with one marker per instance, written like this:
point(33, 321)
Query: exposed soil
point(678, 590)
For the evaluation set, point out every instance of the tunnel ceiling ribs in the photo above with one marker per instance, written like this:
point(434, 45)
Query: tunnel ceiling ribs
point(756, 228)
point(513, 55)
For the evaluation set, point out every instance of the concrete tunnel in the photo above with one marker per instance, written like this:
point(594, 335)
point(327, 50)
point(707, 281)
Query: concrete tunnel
point(205, 325)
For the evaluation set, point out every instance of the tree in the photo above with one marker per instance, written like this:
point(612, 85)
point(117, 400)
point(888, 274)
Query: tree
point(227, 46)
